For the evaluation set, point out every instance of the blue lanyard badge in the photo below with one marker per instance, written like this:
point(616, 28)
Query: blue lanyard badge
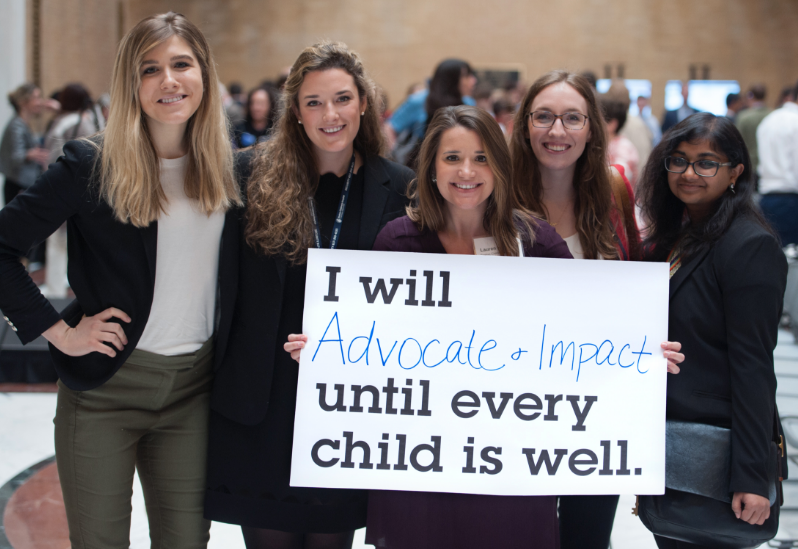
point(339, 218)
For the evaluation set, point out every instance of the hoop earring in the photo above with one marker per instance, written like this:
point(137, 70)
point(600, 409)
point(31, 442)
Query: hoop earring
point(731, 188)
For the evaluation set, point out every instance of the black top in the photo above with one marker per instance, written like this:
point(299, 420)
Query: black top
point(327, 198)
point(111, 264)
point(252, 332)
point(725, 307)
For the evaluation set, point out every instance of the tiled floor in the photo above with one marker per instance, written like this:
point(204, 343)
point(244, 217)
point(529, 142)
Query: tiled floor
point(33, 510)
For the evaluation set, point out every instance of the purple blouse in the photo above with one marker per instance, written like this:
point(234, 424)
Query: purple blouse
point(420, 520)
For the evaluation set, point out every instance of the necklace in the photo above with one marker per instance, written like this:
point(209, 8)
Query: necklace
point(568, 205)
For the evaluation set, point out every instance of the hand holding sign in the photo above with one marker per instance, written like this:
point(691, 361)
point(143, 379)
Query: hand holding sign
point(488, 375)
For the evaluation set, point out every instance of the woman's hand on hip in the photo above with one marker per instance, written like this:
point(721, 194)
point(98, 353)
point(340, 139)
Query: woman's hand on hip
point(751, 508)
point(671, 351)
point(90, 335)
point(295, 344)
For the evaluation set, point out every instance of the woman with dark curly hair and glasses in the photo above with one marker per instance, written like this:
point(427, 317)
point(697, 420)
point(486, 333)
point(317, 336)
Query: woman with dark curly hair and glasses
point(728, 276)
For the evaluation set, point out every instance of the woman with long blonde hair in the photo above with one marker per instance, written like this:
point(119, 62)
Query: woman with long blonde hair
point(323, 157)
point(153, 193)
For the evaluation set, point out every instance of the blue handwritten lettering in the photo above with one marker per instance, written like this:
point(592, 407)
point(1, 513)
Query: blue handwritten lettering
point(339, 340)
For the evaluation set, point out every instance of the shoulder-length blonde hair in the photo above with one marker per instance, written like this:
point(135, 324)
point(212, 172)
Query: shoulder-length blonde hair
point(504, 217)
point(284, 172)
point(129, 173)
point(592, 179)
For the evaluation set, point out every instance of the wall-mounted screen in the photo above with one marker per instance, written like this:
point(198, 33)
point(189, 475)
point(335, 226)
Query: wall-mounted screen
point(705, 95)
point(636, 89)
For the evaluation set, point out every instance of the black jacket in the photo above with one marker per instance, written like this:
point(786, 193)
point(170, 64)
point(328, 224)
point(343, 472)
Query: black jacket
point(247, 339)
point(111, 264)
point(725, 306)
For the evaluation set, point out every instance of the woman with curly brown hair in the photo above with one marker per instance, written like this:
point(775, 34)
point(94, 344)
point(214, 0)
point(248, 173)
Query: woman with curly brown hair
point(323, 157)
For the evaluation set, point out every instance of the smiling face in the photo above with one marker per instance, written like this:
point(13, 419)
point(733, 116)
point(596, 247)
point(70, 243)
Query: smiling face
point(557, 148)
point(464, 178)
point(171, 84)
point(700, 193)
point(330, 110)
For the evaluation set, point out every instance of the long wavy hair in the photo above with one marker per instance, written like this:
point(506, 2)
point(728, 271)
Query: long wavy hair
point(593, 204)
point(666, 213)
point(284, 172)
point(129, 172)
point(504, 217)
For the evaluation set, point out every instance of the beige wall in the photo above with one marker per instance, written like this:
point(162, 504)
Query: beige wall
point(402, 40)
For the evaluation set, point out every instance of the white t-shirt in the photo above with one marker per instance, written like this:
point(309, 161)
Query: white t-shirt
point(575, 247)
point(777, 145)
point(186, 270)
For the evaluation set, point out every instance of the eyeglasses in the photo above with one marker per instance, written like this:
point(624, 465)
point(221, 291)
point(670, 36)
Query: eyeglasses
point(704, 168)
point(570, 120)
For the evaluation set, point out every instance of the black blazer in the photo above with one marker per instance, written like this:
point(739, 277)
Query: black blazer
point(725, 306)
point(247, 339)
point(111, 264)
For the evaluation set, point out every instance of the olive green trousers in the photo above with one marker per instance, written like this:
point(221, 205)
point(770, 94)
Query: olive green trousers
point(151, 416)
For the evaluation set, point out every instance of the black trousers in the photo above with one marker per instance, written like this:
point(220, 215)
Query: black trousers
point(667, 543)
point(586, 521)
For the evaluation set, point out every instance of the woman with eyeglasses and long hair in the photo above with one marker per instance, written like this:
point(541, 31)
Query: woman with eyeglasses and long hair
point(728, 276)
point(324, 156)
point(154, 193)
point(560, 169)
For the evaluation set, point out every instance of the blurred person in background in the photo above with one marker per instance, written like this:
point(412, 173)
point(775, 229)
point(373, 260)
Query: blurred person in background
point(504, 111)
point(234, 111)
point(237, 93)
point(22, 159)
point(748, 121)
point(644, 107)
point(452, 84)
point(483, 93)
point(78, 117)
point(620, 150)
point(734, 105)
point(104, 103)
point(777, 147)
point(784, 96)
point(260, 112)
point(634, 129)
point(675, 116)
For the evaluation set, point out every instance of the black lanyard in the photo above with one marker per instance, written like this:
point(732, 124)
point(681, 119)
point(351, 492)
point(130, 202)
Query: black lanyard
point(339, 218)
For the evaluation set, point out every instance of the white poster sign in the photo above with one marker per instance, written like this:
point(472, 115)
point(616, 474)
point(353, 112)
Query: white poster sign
point(482, 375)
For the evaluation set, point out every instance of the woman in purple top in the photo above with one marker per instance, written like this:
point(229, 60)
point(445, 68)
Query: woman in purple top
point(462, 193)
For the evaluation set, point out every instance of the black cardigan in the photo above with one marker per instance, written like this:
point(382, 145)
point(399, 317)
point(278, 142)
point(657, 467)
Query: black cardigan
point(111, 264)
point(725, 306)
point(247, 339)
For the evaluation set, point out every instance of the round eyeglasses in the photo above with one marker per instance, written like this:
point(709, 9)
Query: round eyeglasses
point(704, 168)
point(570, 120)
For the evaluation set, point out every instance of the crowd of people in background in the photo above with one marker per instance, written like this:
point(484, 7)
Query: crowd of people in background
point(549, 169)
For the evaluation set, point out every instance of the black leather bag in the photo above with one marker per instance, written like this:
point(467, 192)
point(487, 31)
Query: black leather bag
point(696, 507)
